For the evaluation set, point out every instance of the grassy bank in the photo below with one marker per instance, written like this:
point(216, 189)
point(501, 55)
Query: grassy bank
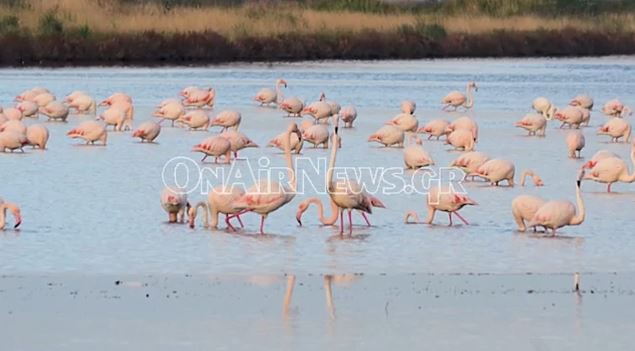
point(54, 32)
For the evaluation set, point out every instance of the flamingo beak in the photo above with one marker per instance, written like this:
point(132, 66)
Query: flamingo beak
point(299, 219)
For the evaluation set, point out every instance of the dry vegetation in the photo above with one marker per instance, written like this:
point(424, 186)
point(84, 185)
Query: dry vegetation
point(252, 20)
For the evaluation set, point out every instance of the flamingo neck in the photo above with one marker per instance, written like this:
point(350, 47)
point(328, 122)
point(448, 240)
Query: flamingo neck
point(207, 209)
point(629, 178)
point(580, 213)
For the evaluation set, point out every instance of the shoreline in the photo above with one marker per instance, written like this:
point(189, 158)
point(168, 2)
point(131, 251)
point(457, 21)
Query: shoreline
point(199, 49)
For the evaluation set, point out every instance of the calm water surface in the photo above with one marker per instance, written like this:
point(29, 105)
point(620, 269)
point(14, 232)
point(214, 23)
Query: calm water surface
point(96, 209)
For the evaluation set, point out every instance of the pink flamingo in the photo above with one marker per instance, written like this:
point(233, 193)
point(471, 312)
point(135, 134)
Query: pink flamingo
point(37, 135)
point(616, 128)
point(497, 170)
point(415, 155)
point(615, 108)
point(524, 208)
point(388, 135)
point(267, 96)
point(220, 200)
point(13, 126)
point(317, 134)
point(82, 103)
point(442, 198)
point(575, 143)
point(335, 107)
point(55, 111)
point(200, 98)
point(583, 101)
point(237, 141)
point(408, 106)
point(534, 124)
point(457, 99)
point(29, 95)
point(405, 121)
point(332, 218)
point(556, 214)
point(175, 203)
point(319, 110)
point(147, 131)
point(196, 120)
point(610, 169)
point(15, 211)
point(435, 128)
point(570, 115)
point(461, 139)
point(227, 119)
point(469, 162)
point(90, 131)
point(12, 113)
point(10, 140)
point(543, 106)
point(44, 99)
point(279, 142)
point(267, 196)
point(171, 111)
point(116, 118)
point(28, 108)
point(214, 146)
point(348, 114)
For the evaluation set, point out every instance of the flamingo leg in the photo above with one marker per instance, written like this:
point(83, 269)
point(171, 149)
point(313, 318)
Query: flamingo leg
point(262, 224)
point(341, 222)
point(229, 225)
point(608, 189)
point(450, 216)
point(365, 218)
point(240, 221)
point(350, 222)
point(461, 218)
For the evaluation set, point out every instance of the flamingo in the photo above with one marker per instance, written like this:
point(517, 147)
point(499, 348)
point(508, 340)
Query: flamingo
point(347, 194)
point(583, 101)
point(408, 106)
point(573, 116)
point(600, 155)
point(335, 107)
point(115, 117)
point(267, 196)
point(214, 146)
point(461, 139)
point(196, 120)
point(171, 111)
point(44, 99)
point(319, 110)
point(73, 95)
point(82, 103)
point(227, 119)
point(466, 123)
point(610, 169)
point(13, 126)
point(12, 113)
point(497, 170)
point(415, 156)
point(616, 128)
point(55, 111)
point(11, 140)
point(443, 198)
point(90, 131)
point(174, 202)
point(116, 98)
point(348, 114)
point(220, 200)
point(37, 135)
point(15, 211)
point(405, 121)
point(575, 143)
point(543, 106)
point(615, 108)
point(237, 141)
point(469, 162)
point(293, 106)
point(29, 95)
point(267, 96)
point(435, 128)
point(524, 207)
point(534, 124)
point(457, 99)
point(28, 108)
point(556, 214)
point(331, 219)
point(317, 134)
point(279, 140)
point(388, 135)
point(200, 98)
point(147, 131)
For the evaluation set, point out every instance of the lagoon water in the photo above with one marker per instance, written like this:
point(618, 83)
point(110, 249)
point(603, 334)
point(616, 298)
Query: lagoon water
point(95, 210)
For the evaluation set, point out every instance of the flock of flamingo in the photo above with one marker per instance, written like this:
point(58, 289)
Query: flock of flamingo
point(191, 111)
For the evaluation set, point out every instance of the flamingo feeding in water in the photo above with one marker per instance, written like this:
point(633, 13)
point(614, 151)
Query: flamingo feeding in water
point(543, 106)
point(147, 131)
point(575, 143)
point(442, 198)
point(227, 119)
point(435, 128)
point(469, 162)
point(610, 169)
point(461, 139)
point(11, 140)
point(405, 121)
point(457, 99)
point(37, 135)
point(415, 155)
point(332, 218)
point(174, 202)
point(220, 200)
point(55, 111)
point(388, 135)
point(535, 124)
point(28, 108)
point(524, 207)
point(214, 146)
point(116, 118)
point(199, 97)
point(570, 115)
point(616, 128)
point(172, 110)
point(196, 120)
point(348, 114)
point(279, 142)
point(583, 101)
point(497, 170)
point(90, 131)
point(237, 141)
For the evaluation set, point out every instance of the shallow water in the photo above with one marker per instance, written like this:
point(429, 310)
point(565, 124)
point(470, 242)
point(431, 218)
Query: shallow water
point(96, 209)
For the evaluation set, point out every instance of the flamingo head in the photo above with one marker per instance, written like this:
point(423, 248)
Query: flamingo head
point(472, 84)
point(281, 82)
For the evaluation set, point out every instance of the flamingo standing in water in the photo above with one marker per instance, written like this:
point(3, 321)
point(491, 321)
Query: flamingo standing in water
point(466, 123)
point(388, 135)
point(575, 143)
point(524, 208)
point(583, 101)
point(214, 146)
point(610, 169)
point(172, 111)
point(443, 198)
point(15, 211)
point(220, 200)
point(348, 114)
point(497, 170)
point(319, 110)
point(415, 156)
point(543, 106)
point(347, 194)
point(469, 162)
point(279, 142)
point(237, 141)
point(616, 128)
point(335, 107)
point(29, 95)
point(435, 128)
point(556, 214)
point(317, 134)
point(44, 99)
point(175, 203)
point(535, 124)
point(266, 196)
point(268, 96)
point(196, 120)
point(37, 135)
point(55, 111)
point(615, 108)
point(147, 131)
point(12, 113)
point(90, 131)
point(457, 99)
point(199, 97)
point(13, 126)
point(227, 119)
point(331, 219)
point(116, 118)
point(461, 139)
point(405, 121)
point(11, 140)
point(570, 115)
point(82, 103)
